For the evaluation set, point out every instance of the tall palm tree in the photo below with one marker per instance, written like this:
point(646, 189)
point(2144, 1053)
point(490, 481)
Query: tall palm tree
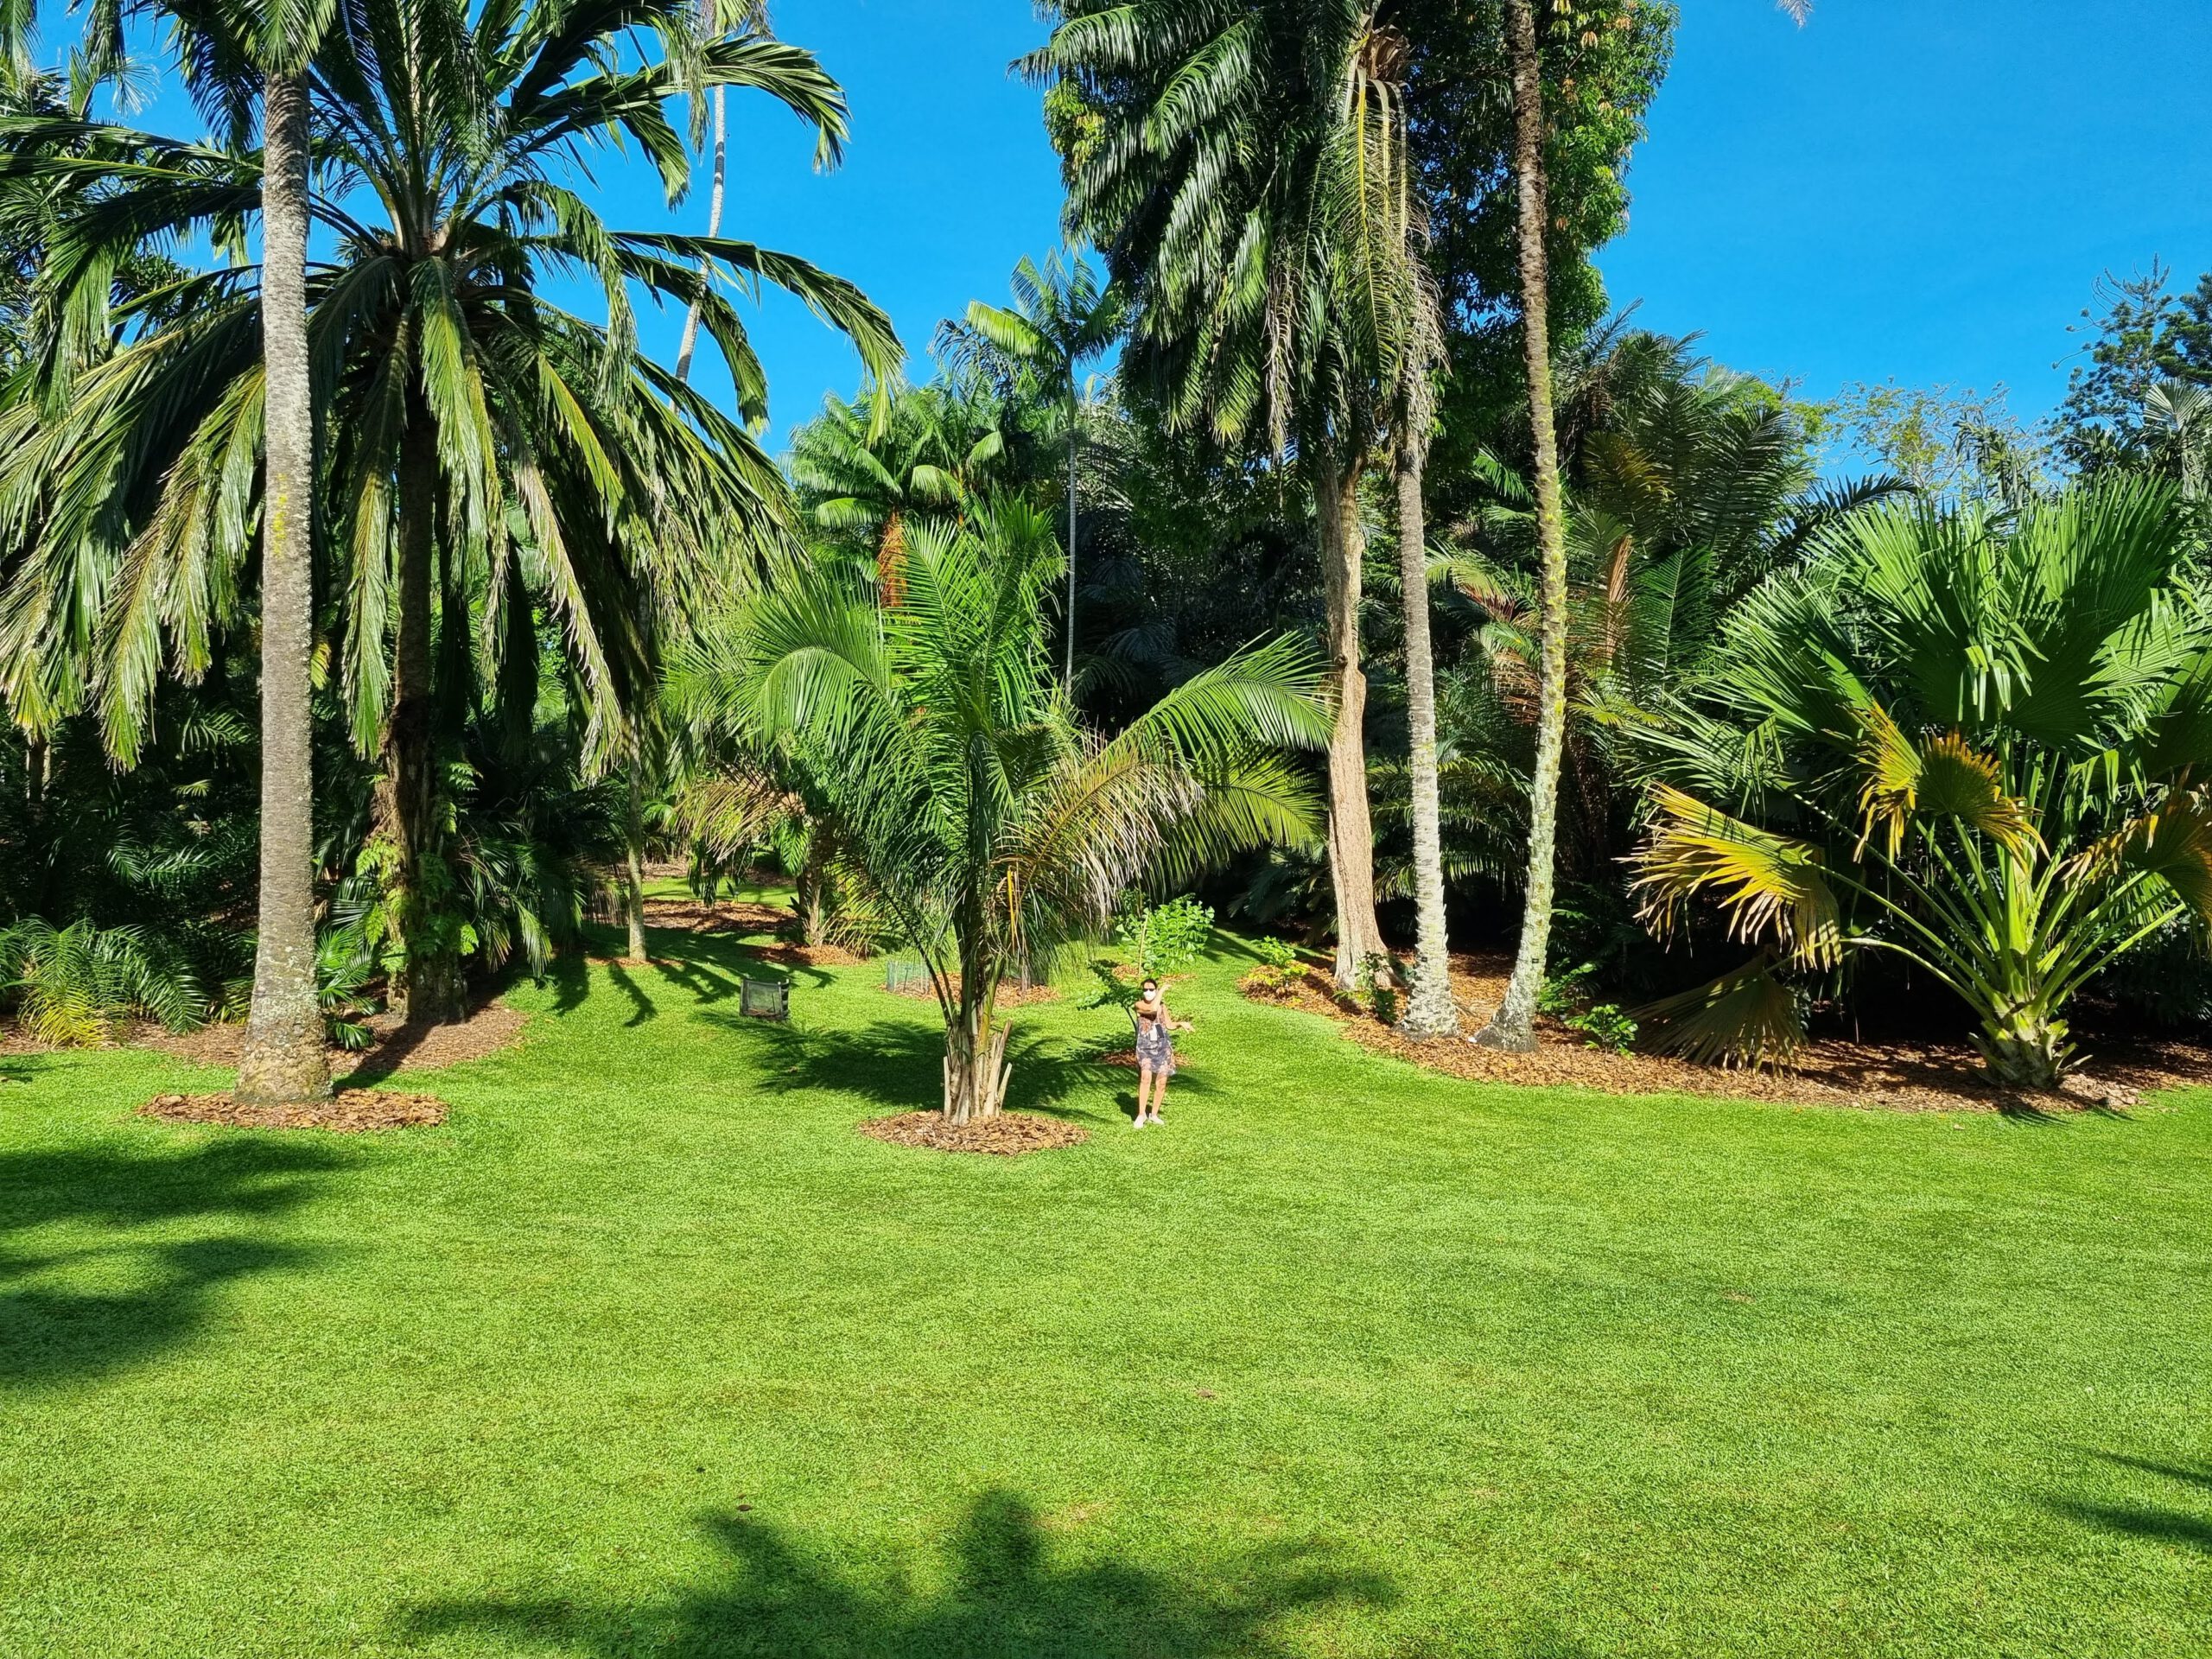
point(977, 816)
point(1220, 178)
point(225, 48)
point(1512, 1027)
point(1063, 318)
point(491, 453)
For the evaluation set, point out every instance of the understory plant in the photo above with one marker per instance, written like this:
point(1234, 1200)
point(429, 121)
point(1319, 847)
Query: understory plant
point(1161, 938)
point(1975, 742)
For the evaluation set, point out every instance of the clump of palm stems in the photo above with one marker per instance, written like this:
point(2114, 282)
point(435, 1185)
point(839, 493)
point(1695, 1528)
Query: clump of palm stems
point(985, 824)
point(1978, 744)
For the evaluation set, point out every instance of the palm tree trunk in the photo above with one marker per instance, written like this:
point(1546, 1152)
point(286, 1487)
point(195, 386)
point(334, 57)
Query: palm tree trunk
point(283, 1060)
point(1513, 1027)
point(1429, 1011)
point(1072, 439)
point(1351, 838)
point(975, 1070)
point(430, 990)
point(691, 340)
point(633, 835)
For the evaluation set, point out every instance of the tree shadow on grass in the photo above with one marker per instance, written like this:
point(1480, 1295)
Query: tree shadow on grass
point(2156, 1522)
point(147, 1293)
point(1006, 1599)
point(899, 1064)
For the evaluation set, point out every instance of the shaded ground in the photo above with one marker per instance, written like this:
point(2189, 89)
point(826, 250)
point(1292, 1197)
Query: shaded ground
point(398, 1047)
point(1895, 1075)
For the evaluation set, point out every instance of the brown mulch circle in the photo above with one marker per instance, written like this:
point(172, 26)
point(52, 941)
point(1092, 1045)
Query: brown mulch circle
point(1010, 997)
point(1007, 1134)
point(788, 954)
point(350, 1111)
point(394, 1047)
point(1913, 1076)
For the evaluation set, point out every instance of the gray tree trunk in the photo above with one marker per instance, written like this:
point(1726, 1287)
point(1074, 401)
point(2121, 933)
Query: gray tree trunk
point(1429, 1010)
point(283, 1060)
point(1513, 1027)
point(691, 340)
point(1351, 834)
point(1073, 437)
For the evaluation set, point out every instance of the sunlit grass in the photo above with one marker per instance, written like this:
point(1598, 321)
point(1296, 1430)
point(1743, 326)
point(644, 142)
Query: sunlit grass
point(648, 1353)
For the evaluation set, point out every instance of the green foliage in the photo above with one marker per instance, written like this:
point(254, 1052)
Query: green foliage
point(983, 823)
point(1973, 744)
point(1163, 938)
point(1376, 985)
point(79, 986)
point(1604, 1026)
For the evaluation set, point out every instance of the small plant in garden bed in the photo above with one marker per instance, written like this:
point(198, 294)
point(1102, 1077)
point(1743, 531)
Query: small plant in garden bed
point(1281, 966)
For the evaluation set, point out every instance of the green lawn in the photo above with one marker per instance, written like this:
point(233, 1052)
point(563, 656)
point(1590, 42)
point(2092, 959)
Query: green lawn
point(649, 1353)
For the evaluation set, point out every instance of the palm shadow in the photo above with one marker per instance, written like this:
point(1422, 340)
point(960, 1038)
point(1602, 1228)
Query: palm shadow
point(899, 1064)
point(2190, 1527)
point(154, 1291)
point(1006, 1599)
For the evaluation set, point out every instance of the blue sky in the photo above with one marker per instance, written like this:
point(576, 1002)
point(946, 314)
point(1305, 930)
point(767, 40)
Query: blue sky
point(1923, 190)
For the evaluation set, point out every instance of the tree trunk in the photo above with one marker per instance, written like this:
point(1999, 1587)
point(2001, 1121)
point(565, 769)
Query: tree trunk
point(633, 832)
point(283, 1060)
point(430, 990)
point(2023, 1043)
point(1351, 836)
point(976, 1071)
point(1429, 1009)
point(1072, 433)
point(1513, 1027)
point(690, 340)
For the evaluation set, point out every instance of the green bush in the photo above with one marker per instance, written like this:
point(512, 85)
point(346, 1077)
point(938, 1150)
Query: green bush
point(1161, 938)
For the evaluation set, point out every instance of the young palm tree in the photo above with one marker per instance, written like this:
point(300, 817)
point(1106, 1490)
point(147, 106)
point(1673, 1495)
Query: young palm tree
point(1976, 745)
point(1219, 170)
point(491, 453)
point(1062, 319)
point(977, 818)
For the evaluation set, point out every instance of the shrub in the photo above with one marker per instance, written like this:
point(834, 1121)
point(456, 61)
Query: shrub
point(1161, 938)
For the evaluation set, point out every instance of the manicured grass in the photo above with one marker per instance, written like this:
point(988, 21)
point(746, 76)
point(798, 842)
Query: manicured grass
point(649, 1353)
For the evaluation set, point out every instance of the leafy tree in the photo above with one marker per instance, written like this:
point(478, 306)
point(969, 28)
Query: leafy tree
point(988, 828)
point(1972, 745)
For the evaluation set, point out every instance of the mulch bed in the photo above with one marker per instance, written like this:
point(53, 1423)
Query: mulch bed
point(395, 1046)
point(350, 1111)
point(1008, 1134)
point(1913, 1076)
point(740, 916)
point(1010, 995)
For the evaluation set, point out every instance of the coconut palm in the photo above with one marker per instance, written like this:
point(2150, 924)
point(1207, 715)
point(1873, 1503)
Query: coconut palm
point(1063, 318)
point(492, 455)
point(1219, 170)
point(1976, 745)
point(980, 821)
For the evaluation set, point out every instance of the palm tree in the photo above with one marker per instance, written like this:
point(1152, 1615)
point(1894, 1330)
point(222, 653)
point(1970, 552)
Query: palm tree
point(1218, 168)
point(1062, 319)
point(283, 1059)
point(866, 474)
point(982, 821)
point(492, 454)
point(1512, 1027)
point(1974, 745)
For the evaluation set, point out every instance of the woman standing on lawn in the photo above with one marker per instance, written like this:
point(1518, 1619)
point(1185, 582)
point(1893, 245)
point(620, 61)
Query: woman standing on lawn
point(1155, 1053)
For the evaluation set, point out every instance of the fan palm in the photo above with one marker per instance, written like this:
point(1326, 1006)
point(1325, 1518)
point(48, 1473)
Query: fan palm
point(979, 819)
point(1062, 319)
point(490, 454)
point(1976, 747)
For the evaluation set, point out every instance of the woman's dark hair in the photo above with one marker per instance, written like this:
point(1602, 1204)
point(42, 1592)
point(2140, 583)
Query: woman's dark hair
point(1152, 985)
